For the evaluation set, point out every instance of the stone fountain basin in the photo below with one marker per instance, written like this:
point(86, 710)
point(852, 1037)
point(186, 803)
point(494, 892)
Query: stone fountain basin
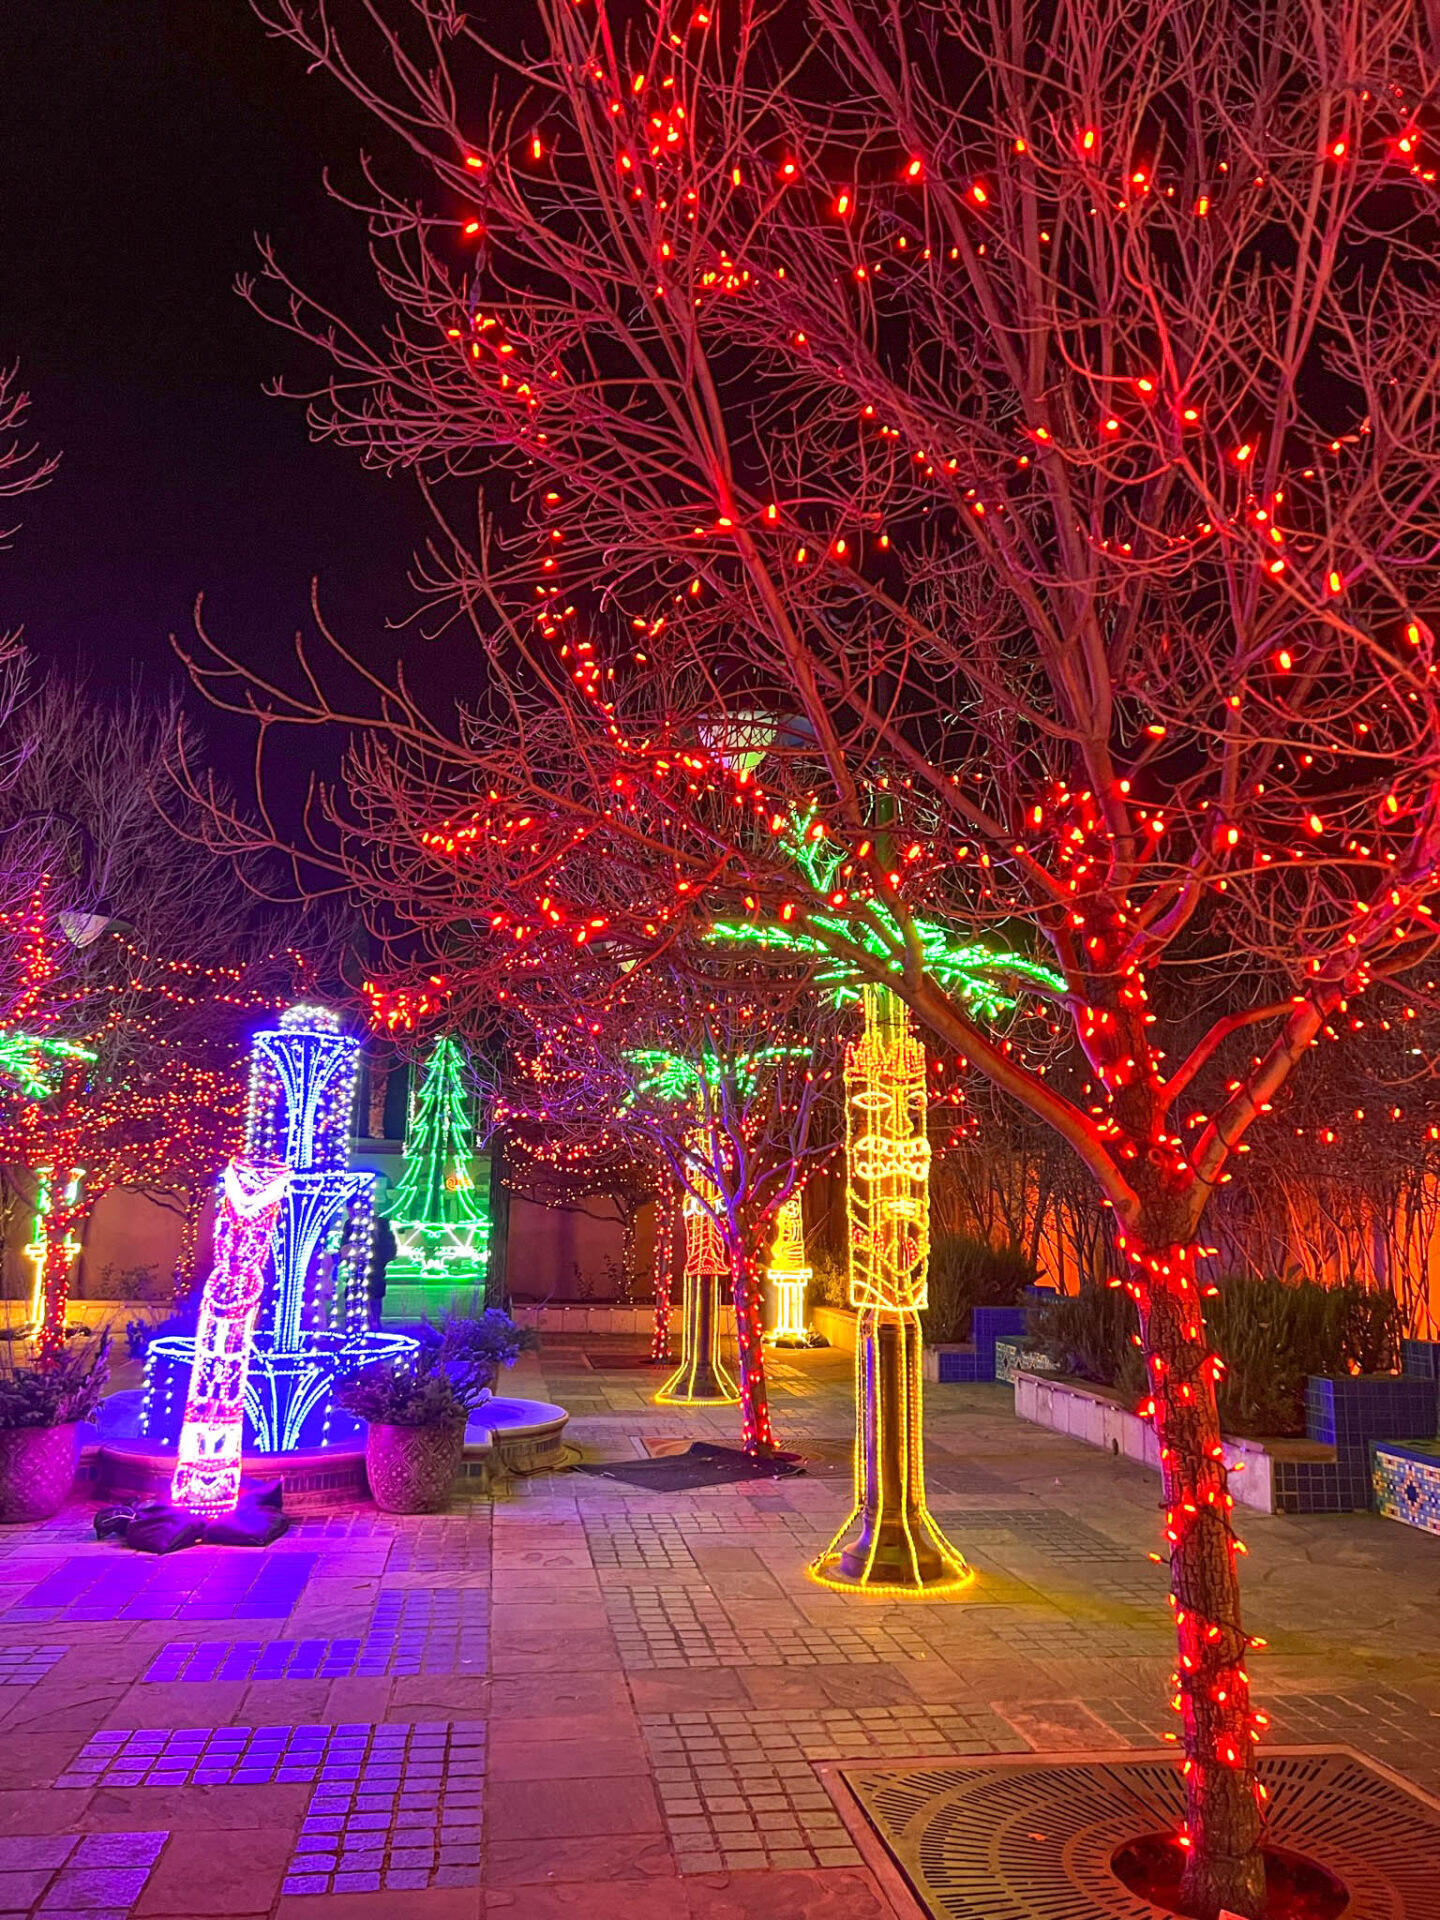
point(503, 1436)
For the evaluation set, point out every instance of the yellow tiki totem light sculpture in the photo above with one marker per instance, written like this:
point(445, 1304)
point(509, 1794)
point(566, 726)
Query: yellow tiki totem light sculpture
point(701, 1379)
point(789, 1276)
point(889, 1545)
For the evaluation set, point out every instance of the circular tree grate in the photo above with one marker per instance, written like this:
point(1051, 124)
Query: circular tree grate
point(1033, 1840)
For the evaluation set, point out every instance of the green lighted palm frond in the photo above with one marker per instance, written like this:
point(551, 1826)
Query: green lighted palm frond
point(974, 973)
point(34, 1063)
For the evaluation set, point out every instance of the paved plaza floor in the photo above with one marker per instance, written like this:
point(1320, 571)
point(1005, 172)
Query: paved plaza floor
point(581, 1699)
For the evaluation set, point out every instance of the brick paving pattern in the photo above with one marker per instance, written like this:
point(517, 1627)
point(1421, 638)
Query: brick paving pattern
point(587, 1699)
point(22, 1666)
point(403, 1814)
point(55, 1875)
point(677, 1626)
point(739, 1790)
point(218, 1756)
point(207, 1583)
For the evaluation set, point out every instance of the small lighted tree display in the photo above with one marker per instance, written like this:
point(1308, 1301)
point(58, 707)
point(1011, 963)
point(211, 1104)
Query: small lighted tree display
point(442, 1230)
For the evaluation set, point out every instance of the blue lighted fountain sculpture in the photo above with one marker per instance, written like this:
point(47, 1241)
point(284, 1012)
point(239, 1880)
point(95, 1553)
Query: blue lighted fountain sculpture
point(313, 1328)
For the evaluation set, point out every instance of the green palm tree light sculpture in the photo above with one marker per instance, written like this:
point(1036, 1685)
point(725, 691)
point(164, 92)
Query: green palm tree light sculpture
point(889, 1545)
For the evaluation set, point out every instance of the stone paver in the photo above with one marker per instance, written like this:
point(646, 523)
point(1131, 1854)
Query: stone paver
point(583, 1701)
point(22, 1666)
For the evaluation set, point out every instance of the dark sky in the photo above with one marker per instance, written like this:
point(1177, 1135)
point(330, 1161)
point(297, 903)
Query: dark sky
point(143, 145)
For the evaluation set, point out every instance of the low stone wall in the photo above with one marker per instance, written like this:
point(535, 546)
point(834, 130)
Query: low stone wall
point(837, 1324)
point(576, 1319)
point(1101, 1419)
point(94, 1315)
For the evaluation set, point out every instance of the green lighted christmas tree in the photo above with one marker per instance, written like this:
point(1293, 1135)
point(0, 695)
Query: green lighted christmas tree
point(441, 1229)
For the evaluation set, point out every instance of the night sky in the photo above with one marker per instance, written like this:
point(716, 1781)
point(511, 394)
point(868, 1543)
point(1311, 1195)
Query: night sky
point(144, 144)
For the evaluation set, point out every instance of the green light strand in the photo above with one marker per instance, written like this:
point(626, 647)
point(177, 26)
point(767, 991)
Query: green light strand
point(35, 1062)
point(970, 971)
point(663, 1075)
point(437, 1188)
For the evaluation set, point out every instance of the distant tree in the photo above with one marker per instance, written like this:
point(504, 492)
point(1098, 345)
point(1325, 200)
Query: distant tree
point(717, 1071)
point(139, 946)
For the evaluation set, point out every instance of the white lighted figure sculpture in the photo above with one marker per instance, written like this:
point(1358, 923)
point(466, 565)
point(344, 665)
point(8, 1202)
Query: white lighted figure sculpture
point(789, 1276)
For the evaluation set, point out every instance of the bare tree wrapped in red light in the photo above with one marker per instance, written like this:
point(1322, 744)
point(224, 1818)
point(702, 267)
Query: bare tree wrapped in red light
point(563, 1149)
point(721, 1072)
point(1032, 411)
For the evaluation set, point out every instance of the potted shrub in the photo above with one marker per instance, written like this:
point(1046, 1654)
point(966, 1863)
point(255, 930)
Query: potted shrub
point(416, 1435)
point(469, 1350)
point(416, 1414)
point(40, 1413)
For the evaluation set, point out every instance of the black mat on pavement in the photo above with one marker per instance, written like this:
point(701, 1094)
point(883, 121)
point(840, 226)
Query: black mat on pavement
point(703, 1466)
point(623, 1362)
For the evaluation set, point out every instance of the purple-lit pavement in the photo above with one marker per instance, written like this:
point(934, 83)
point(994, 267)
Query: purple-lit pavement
point(586, 1700)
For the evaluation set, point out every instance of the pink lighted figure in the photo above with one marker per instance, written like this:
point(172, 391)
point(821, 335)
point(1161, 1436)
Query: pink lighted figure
point(207, 1471)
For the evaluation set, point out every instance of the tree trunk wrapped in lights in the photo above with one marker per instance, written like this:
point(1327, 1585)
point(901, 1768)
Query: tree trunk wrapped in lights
point(1211, 1685)
point(1077, 536)
point(789, 1276)
point(669, 1236)
point(756, 1433)
point(53, 1251)
point(701, 1379)
point(889, 1543)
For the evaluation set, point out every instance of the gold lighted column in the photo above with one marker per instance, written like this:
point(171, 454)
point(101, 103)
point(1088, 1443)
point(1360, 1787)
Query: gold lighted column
point(701, 1379)
point(889, 1544)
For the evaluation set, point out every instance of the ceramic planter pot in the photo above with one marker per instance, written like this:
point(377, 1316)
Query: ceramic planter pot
point(37, 1470)
point(412, 1469)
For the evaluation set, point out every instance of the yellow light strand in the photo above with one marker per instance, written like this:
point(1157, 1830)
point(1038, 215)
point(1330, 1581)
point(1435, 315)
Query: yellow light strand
point(889, 1545)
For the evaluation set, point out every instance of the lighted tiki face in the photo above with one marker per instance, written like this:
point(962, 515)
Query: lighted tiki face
point(889, 1160)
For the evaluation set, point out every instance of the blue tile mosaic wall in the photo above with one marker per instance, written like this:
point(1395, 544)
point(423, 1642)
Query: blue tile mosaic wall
point(1407, 1484)
point(1014, 1356)
point(1421, 1357)
point(958, 1365)
point(1350, 1410)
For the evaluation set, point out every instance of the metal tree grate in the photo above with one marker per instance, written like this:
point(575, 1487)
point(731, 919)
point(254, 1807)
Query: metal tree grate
point(1033, 1840)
